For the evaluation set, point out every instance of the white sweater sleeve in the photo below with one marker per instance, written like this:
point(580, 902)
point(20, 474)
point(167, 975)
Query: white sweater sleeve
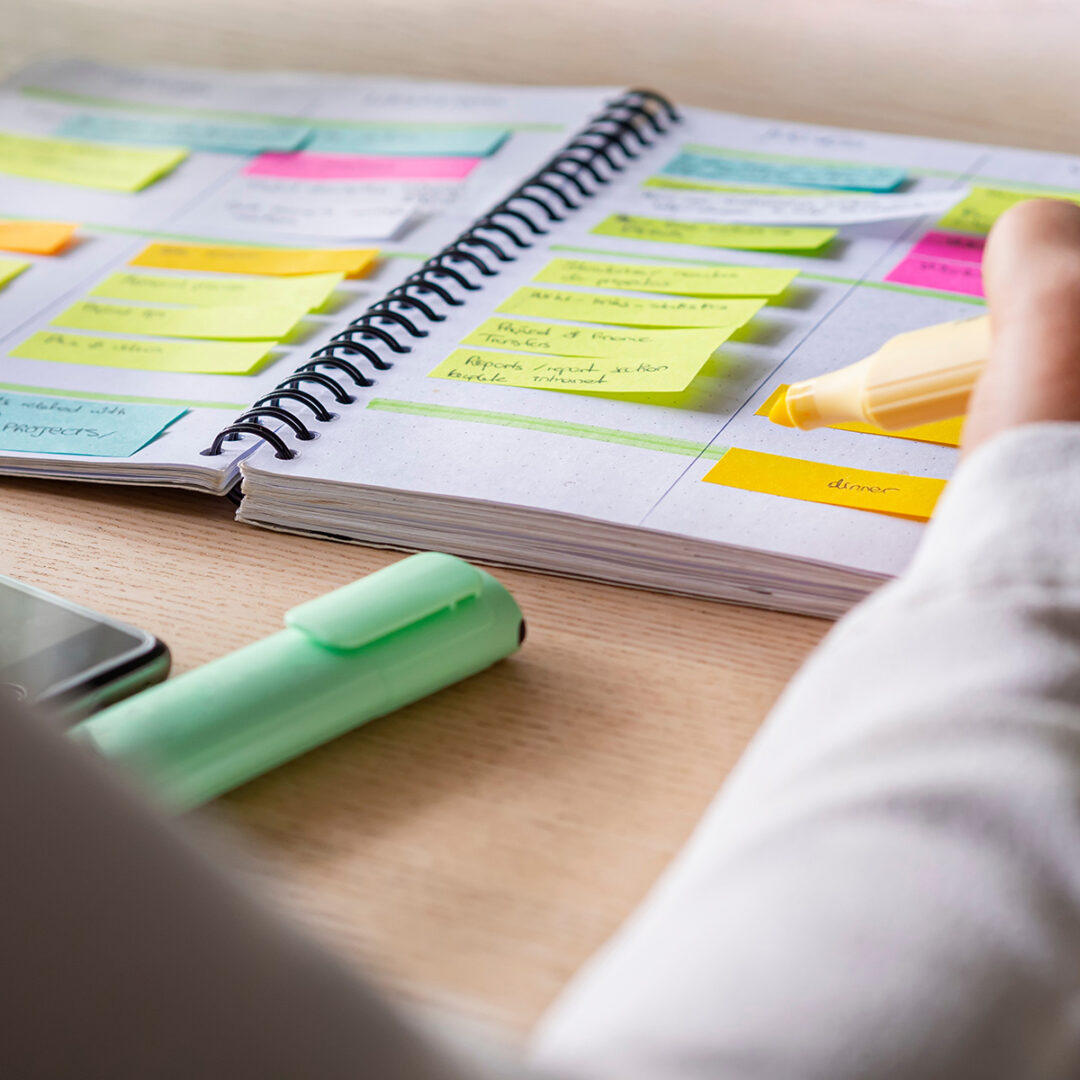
point(889, 884)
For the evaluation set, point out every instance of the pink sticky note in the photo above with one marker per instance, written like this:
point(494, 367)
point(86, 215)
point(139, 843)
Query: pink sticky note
point(301, 166)
point(944, 245)
point(943, 274)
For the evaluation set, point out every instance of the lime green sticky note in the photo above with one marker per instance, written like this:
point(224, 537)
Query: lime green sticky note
point(979, 210)
point(556, 339)
point(204, 357)
point(214, 323)
point(599, 375)
point(744, 237)
point(676, 280)
point(12, 268)
point(305, 292)
point(98, 165)
point(628, 310)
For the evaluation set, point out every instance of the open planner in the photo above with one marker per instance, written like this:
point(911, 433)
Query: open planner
point(530, 326)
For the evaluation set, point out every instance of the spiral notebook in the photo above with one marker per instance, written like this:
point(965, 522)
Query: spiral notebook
point(542, 327)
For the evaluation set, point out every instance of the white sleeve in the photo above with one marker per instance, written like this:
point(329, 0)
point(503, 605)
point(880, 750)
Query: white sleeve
point(889, 884)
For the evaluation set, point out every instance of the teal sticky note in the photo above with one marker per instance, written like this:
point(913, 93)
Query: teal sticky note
point(731, 168)
point(222, 138)
point(39, 424)
point(420, 140)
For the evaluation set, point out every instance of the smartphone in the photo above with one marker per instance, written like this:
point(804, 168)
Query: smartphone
point(69, 658)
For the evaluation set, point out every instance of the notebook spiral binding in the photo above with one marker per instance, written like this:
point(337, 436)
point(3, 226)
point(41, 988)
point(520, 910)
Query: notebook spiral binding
point(622, 131)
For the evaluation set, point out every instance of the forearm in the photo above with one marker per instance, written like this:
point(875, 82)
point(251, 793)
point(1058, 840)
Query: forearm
point(889, 885)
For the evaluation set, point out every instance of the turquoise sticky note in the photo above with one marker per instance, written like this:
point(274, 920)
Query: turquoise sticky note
point(420, 140)
point(38, 424)
point(744, 170)
point(193, 134)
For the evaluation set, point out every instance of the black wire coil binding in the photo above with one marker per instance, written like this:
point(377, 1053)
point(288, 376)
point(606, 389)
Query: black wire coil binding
point(628, 125)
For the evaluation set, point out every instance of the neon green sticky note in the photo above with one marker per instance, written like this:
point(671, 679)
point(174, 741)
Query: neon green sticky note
point(555, 339)
point(676, 280)
point(98, 165)
point(628, 310)
point(47, 424)
point(979, 210)
point(214, 323)
point(598, 375)
point(743, 237)
point(305, 292)
point(204, 357)
point(12, 268)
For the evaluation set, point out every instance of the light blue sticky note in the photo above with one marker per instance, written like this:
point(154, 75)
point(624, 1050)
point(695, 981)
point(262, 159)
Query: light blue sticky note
point(435, 140)
point(60, 425)
point(194, 134)
point(742, 170)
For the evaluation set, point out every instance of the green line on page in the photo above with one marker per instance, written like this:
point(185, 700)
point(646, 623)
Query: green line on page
point(551, 427)
point(627, 256)
point(130, 399)
point(46, 94)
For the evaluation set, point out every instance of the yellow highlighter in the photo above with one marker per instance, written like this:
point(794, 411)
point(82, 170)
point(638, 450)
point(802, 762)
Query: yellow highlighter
point(914, 378)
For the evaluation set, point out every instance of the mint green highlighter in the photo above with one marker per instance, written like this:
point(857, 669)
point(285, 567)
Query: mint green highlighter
point(349, 656)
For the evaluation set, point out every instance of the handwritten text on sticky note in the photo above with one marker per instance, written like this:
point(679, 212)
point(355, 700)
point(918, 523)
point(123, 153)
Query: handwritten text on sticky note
point(739, 237)
point(676, 280)
point(194, 134)
point(423, 140)
point(985, 205)
point(837, 485)
point(945, 275)
point(704, 165)
point(305, 166)
point(204, 357)
point(212, 323)
point(954, 246)
point(603, 375)
point(39, 424)
point(353, 262)
point(305, 292)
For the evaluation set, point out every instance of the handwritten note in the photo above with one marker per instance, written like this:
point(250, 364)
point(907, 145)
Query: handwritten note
point(742, 237)
point(945, 275)
point(708, 281)
point(194, 134)
point(603, 375)
point(304, 292)
point(555, 339)
point(304, 166)
point(700, 163)
point(423, 140)
point(985, 205)
point(204, 357)
point(113, 168)
point(36, 237)
point(37, 424)
point(212, 323)
point(628, 310)
point(837, 485)
point(353, 263)
point(953, 246)
point(941, 433)
point(831, 209)
point(11, 269)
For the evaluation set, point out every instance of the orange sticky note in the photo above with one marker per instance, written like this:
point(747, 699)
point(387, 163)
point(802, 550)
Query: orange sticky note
point(352, 262)
point(837, 485)
point(35, 237)
point(942, 432)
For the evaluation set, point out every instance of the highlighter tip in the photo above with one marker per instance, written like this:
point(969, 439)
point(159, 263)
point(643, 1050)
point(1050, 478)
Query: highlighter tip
point(779, 414)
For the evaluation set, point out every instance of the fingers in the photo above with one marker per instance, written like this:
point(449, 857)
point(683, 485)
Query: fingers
point(1031, 273)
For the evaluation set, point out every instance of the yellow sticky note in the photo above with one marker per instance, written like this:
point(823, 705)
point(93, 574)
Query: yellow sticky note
point(942, 433)
point(599, 375)
point(979, 210)
point(304, 292)
point(629, 310)
point(204, 357)
point(744, 237)
point(213, 323)
point(555, 339)
point(35, 237)
point(11, 268)
point(837, 485)
point(98, 165)
point(352, 262)
point(675, 280)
